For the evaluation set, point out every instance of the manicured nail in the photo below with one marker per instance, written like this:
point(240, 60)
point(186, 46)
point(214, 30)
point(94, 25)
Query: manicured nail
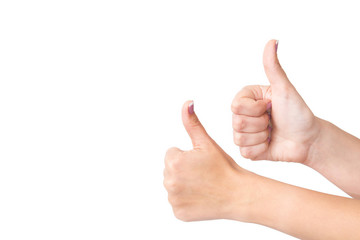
point(276, 45)
point(191, 107)
point(268, 105)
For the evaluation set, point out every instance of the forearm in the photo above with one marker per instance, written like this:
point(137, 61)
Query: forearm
point(336, 155)
point(303, 213)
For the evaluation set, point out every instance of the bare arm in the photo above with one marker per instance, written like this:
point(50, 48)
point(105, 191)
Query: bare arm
point(303, 213)
point(205, 183)
point(336, 155)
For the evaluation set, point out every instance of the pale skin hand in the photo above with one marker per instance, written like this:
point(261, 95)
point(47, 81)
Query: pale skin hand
point(200, 181)
point(296, 134)
point(295, 127)
point(205, 183)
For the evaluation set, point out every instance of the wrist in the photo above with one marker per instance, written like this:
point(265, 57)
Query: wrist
point(336, 153)
point(315, 148)
point(271, 203)
point(249, 198)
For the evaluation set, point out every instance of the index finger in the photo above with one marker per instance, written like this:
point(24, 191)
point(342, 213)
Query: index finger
point(249, 101)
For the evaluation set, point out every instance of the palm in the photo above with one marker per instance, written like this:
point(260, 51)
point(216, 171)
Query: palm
point(294, 126)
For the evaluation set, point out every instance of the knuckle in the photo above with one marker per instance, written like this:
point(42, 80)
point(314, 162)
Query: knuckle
point(175, 201)
point(240, 123)
point(169, 154)
point(175, 165)
point(171, 151)
point(181, 214)
point(235, 105)
point(171, 185)
point(239, 139)
point(173, 159)
point(246, 152)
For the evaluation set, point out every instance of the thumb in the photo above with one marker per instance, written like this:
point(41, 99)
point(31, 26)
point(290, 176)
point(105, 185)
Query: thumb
point(274, 72)
point(193, 126)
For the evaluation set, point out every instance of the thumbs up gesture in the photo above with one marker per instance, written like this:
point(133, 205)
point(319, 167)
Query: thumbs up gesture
point(273, 122)
point(202, 183)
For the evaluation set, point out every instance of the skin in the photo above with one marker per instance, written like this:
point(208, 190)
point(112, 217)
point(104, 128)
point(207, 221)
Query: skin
point(205, 183)
point(297, 135)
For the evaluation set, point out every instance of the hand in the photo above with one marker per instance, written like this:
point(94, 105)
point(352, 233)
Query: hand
point(293, 129)
point(205, 183)
point(202, 183)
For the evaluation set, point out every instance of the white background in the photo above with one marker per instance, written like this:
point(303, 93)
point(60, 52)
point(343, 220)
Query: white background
point(91, 93)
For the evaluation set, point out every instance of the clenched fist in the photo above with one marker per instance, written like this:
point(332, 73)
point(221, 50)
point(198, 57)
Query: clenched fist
point(293, 128)
point(204, 183)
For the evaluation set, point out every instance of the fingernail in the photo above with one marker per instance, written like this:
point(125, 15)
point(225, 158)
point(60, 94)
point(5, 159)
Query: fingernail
point(276, 45)
point(191, 107)
point(268, 105)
